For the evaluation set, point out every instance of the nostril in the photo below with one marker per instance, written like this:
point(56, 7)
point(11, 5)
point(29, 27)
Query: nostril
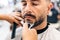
point(29, 12)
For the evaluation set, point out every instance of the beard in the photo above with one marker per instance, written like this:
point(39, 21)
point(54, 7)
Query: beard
point(36, 23)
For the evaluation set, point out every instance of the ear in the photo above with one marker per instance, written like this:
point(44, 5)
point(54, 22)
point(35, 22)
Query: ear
point(50, 6)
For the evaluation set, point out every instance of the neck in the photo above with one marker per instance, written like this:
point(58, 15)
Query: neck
point(42, 25)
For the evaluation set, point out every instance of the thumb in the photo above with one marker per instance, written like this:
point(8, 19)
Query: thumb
point(25, 26)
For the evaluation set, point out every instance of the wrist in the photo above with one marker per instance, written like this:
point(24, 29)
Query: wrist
point(3, 17)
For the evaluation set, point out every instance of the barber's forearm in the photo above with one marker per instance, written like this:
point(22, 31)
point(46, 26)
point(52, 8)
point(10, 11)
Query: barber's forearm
point(2, 17)
point(29, 38)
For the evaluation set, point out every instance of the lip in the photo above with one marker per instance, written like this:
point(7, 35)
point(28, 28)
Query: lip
point(28, 17)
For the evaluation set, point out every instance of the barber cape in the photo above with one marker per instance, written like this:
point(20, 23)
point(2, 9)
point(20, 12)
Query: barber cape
point(50, 34)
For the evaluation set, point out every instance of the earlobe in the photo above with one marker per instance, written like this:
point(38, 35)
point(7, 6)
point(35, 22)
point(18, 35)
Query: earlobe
point(50, 6)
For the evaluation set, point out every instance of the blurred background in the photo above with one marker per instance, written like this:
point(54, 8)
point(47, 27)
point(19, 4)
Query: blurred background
point(7, 6)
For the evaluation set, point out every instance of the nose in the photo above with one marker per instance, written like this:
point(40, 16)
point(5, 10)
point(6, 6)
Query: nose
point(28, 8)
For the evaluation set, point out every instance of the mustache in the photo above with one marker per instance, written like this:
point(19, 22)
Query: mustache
point(30, 15)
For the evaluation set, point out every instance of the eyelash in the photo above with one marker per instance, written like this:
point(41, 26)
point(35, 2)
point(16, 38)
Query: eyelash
point(24, 4)
point(35, 4)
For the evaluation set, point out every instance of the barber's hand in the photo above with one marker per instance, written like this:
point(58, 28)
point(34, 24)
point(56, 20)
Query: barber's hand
point(28, 34)
point(13, 17)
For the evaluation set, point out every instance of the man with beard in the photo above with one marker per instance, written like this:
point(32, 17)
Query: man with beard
point(34, 13)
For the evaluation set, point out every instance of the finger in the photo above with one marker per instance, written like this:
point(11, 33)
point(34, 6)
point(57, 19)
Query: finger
point(18, 18)
point(16, 21)
point(19, 25)
point(25, 26)
point(18, 14)
point(34, 31)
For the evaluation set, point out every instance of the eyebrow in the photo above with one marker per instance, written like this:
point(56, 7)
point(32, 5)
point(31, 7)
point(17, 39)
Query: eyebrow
point(31, 0)
point(23, 1)
point(34, 0)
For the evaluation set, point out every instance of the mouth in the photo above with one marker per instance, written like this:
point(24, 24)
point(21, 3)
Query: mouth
point(29, 19)
point(29, 16)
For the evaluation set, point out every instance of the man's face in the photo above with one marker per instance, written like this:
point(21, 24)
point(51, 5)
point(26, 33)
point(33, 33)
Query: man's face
point(34, 10)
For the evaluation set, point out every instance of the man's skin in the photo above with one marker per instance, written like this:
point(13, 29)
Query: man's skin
point(37, 8)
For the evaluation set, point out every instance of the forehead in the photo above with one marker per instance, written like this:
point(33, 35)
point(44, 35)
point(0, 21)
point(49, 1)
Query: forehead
point(29, 0)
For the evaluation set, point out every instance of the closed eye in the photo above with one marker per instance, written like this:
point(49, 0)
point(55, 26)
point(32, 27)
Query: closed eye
point(35, 3)
point(24, 3)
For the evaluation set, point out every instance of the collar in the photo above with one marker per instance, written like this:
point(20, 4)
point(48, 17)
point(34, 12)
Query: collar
point(42, 30)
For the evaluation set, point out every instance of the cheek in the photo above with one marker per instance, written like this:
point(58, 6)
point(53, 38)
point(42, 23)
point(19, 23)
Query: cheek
point(39, 11)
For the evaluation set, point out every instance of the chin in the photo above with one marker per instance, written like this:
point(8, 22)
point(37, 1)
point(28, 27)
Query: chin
point(31, 21)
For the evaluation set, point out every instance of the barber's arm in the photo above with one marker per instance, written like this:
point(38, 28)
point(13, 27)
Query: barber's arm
point(12, 17)
point(28, 34)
